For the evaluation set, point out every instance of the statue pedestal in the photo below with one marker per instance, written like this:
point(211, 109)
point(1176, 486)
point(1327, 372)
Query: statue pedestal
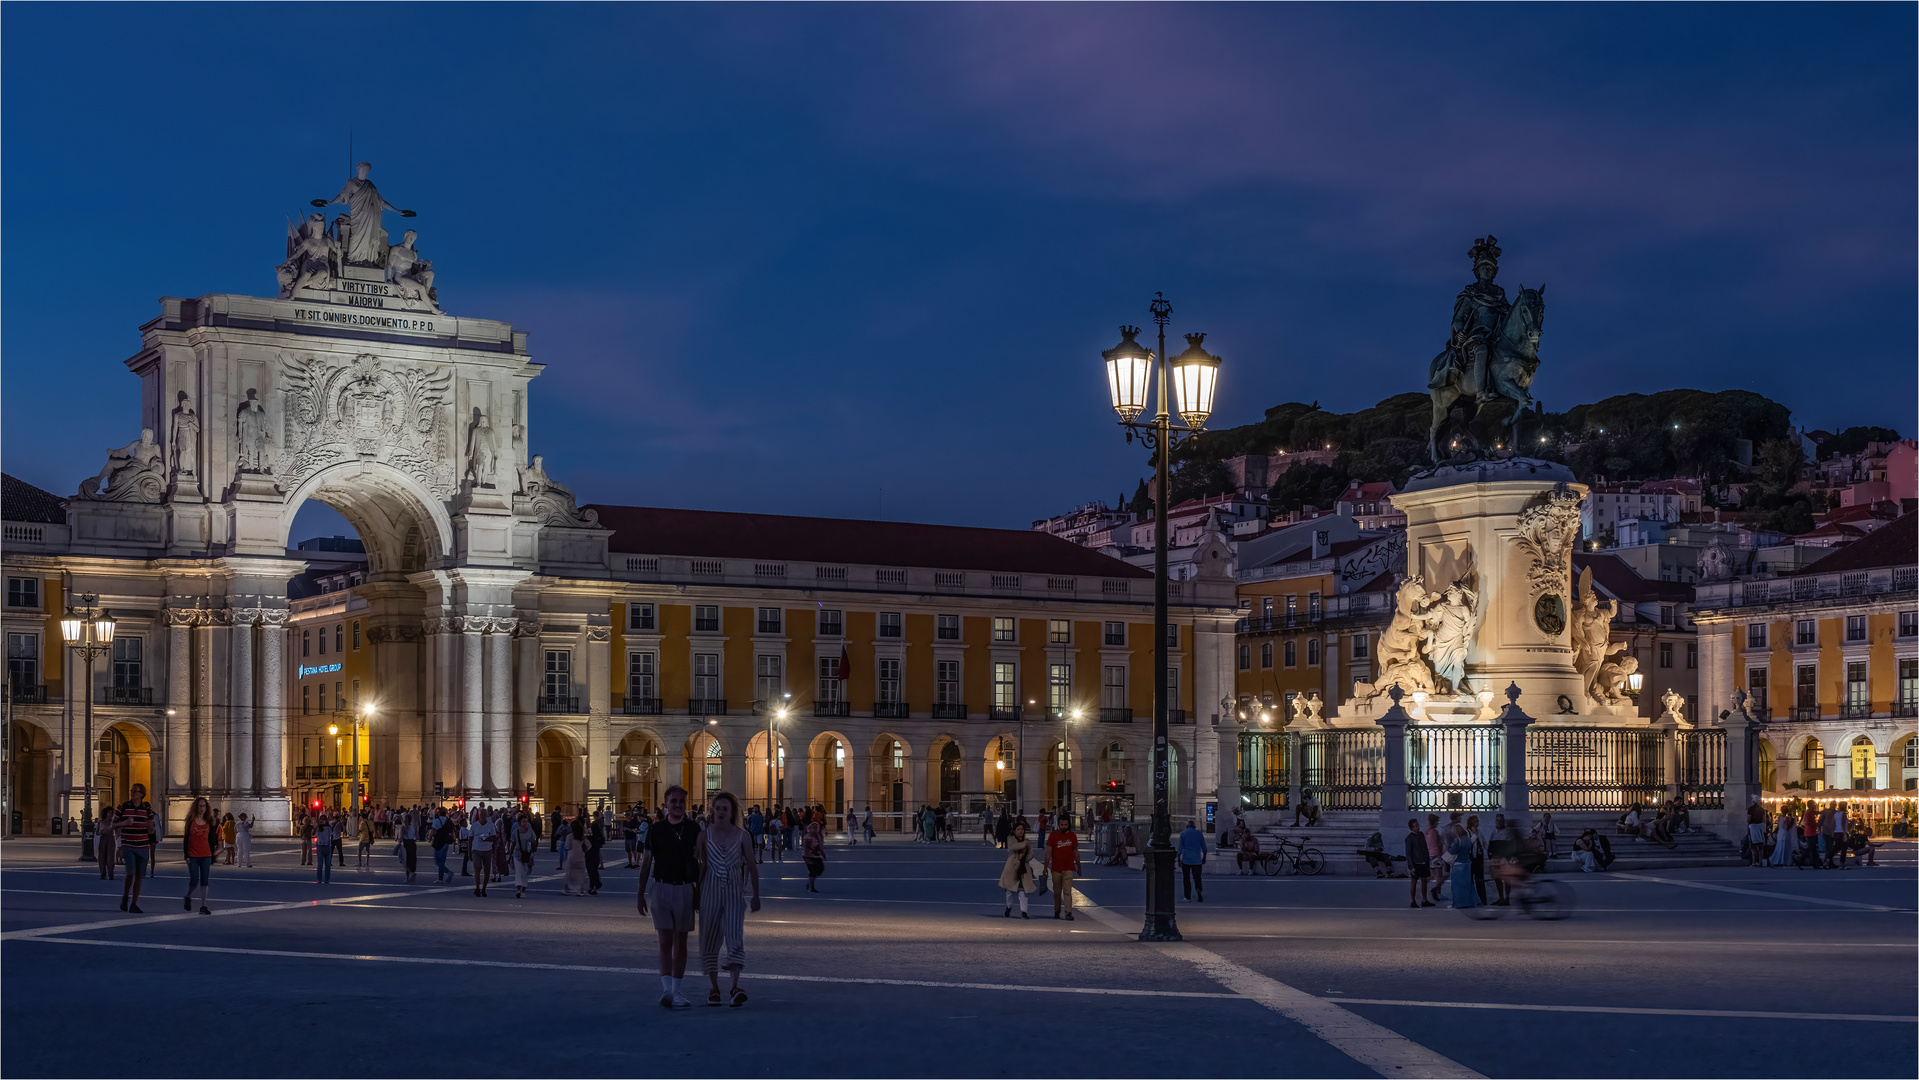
point(1502, 526)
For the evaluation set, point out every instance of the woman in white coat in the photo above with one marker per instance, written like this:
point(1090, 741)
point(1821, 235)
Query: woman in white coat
point(1018, 877)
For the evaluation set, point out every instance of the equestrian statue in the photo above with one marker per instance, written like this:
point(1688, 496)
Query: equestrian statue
point(1493, 350)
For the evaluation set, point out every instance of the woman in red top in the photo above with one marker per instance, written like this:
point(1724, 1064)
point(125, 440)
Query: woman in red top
point(199, 837)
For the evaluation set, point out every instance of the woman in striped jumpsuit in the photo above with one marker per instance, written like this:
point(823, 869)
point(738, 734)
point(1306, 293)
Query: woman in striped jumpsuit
point(729, 866)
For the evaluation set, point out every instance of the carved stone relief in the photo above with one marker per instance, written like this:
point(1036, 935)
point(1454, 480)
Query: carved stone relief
point(367, 409)
point(1547, 532)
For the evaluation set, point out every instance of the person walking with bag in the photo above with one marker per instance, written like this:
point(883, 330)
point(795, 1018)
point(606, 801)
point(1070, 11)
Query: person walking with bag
point(442, 839)
point(1017, 877)
point(526, 839)
point(728, 866)
point(813, 854)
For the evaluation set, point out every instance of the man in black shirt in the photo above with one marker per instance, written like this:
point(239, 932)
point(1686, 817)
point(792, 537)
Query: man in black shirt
point(669, 874)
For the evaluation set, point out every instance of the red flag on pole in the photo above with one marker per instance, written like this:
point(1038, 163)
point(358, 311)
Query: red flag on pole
point(846, 665)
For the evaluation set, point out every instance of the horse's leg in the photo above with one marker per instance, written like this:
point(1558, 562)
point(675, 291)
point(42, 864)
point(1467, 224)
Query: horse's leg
point(1442, 402)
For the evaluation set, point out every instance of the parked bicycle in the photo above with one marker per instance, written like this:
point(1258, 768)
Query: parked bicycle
point(1294, 853)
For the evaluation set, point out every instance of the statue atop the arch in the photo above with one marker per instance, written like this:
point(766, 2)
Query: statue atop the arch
point(313, 259)
point(363, 237)
point(553, 503)
point(133, 473)
point(410, 275)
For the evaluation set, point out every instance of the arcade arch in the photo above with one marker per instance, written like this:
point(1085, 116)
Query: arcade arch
point(755, 789)
point(945, 771)
point(889, 787)
point(638, 768)
point(124, 757)
point(829, 771)
point(562, 768)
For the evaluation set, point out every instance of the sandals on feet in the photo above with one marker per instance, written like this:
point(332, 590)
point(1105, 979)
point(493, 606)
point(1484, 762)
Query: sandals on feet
point(739, 997)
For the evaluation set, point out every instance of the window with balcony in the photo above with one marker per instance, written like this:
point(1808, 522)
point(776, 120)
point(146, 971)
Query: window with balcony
point(946, 627)
point(1855, 628)
point(1115, 633)
point(556, 688)
point(1858, 697)
point(1059, 687)
point(642, 679)
point(769, 620)
point(1756, 688)
point(946, 683)
point(23, 667)
point(768, 685)
point(641, 617)
point(1112, 687)
point(1002, 629)
point(706, 619)
point(1005, 689)
point(1059, 632)
point(1909, 624)
point(832, 688)
point(1908, 687)
point(23, 592)
point(706, 678)
point(1292, 605)
point(129, 675)
point(1805, 632)
point(890, 624)
point(1266, 606)
point(832, 623)
point(1312, 605)
point(1756, 636)
point(1806, 692)
point(889, 682)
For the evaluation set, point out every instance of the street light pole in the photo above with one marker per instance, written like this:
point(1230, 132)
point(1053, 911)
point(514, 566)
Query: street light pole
point(89, 633)
point(1194, 374)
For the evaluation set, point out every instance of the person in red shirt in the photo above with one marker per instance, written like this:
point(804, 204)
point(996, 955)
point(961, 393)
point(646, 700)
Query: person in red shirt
point(199, 837)
point(138, 829)
point(1062, 863)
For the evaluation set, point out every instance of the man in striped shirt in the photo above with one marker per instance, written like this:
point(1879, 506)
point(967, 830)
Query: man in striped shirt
point(138, 834)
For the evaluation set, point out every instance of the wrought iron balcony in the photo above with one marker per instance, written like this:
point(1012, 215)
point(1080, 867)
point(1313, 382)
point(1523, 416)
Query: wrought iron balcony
point(1006, 712)
point(1855, 711)
point(1805, 712)
point(1116, 716)
point(892, 710)
point(1260, 624)
point(832, 708)
point(28, 695)
point(551, 704)
point(125, 695)
point(1903, 709)
point(1177, 716)
point(950, 711)
point(700, 706)
point(641, 706)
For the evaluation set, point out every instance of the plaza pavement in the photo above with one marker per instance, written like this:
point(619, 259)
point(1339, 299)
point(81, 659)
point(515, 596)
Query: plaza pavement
point(903, 966)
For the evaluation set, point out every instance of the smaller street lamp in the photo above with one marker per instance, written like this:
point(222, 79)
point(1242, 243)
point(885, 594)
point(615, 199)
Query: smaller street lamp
point(90, 633)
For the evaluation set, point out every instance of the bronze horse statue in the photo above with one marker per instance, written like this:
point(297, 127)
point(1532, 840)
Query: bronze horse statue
point(1510, 363)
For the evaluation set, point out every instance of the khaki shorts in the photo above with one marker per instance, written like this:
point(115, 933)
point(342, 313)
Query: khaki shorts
point(672, 907)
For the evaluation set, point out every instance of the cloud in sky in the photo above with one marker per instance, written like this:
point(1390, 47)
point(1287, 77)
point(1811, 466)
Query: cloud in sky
point(781, 257)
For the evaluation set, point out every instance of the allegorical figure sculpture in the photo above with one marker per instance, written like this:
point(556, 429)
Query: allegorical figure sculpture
point(133, 473)
point(313, 259)
point(480, 453)
point(365, 238)
point(1675, 706)
point(1400, 658)
point(250, 434)
point(553, 503)
point(1609, 687)
point(1493, 349)
point(1591, 634)
point(410, 275)
point(183, 435)
point(1455, 616)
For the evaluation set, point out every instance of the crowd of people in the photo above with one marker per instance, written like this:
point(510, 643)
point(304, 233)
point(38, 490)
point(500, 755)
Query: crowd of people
point(1808, 835)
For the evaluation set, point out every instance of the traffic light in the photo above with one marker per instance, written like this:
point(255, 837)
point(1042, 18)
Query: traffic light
point(439, 789)
point(529, 791)
point(462, 802)
point(316, 805)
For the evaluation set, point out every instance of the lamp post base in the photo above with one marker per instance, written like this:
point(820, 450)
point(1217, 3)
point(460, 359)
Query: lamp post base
point(1161, 924)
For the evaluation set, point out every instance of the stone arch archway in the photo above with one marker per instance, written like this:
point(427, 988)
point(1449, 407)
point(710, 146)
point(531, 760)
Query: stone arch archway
point(639, 770)
point(405, 527)
point(561, 769)
point(889, 787)
point(124, 753)
point(946, 772)
point(755, 790)
point(829, 772)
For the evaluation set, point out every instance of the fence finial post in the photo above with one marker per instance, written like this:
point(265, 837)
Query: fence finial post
point(1392, 775)
point(1514, 796)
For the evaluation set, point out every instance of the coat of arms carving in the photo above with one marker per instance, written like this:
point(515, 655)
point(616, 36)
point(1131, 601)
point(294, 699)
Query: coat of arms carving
point(367, 409)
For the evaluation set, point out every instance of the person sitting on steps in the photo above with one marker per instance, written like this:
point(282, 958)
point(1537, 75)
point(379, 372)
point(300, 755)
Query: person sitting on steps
point(1308, 808)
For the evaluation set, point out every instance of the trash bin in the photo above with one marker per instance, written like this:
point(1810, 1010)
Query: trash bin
point(56, 824)
point(19, 824)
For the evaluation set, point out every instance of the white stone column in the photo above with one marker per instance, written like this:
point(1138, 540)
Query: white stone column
point(499, 707)
point(240, 703)
point(179, 701)
point(203, 684)
point(472, 705)
point(272, 775)
point(526, 707)
point(599, 730)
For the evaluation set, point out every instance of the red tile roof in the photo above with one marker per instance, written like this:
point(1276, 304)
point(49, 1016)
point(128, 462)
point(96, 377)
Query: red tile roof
point(1895, 544)
point(1624, 583)
point(715, 534)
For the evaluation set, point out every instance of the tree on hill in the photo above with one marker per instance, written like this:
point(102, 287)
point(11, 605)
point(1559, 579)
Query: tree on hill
point(1309, 484)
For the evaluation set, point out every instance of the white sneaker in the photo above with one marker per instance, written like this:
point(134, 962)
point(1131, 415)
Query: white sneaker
point(680, 1002)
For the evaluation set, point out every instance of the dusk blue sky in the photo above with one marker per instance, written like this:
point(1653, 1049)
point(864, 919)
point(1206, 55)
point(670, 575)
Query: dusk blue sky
point(781, 258)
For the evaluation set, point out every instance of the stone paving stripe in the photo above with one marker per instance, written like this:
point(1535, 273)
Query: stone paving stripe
point(1758, 892)
point(1380, 1049)
point(143, 920)
point(1736, 1014)
point(1101, 991)
point(73, 892)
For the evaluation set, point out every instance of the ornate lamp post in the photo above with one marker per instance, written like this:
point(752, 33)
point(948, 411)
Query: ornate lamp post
point(89, 633)
point(1193, 375)
point(773, 750)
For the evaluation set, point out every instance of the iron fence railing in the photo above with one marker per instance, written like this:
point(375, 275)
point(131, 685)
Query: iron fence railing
point(1265, 775)
point(1701, 759)
point(1343, 767)
point(1593, 768)
point(1453, 766)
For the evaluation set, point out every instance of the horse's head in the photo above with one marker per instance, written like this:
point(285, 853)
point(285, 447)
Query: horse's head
point(1528, 318)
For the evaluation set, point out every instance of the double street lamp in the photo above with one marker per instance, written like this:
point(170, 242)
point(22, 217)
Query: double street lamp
point(1131, 371)
point(88, 632)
